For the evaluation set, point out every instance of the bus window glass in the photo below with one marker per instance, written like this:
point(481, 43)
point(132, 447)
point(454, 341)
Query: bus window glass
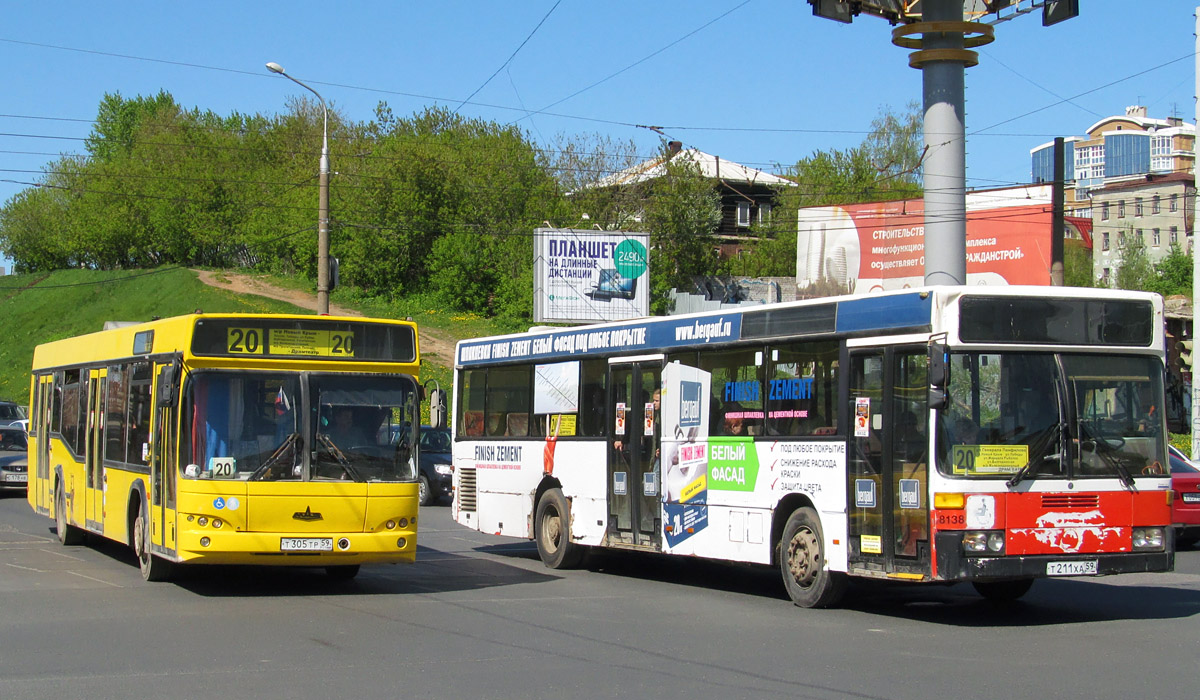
point(1118, 402)
point(737, 395)
point(234, 424)
point(114, 413)
point(56, 404)
point(138, 417)
point(508, 401)
point(363, 428)
point(1004, 414)
point(470, 403)
point(592, 398)
point(71, 411)
point(801, 389)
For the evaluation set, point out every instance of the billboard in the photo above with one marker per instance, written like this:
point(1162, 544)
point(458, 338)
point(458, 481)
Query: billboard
point(876, 246)
point(585, 276)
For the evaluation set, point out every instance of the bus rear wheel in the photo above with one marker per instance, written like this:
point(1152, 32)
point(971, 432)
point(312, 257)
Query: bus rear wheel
point(1003, 591)
point(552, 530)
point(809, 582)
point(68, 535)
point(153, 567)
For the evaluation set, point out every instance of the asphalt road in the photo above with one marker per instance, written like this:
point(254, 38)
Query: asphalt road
point(480, 617)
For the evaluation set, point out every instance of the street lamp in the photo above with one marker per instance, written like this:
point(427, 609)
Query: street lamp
point(323, 200)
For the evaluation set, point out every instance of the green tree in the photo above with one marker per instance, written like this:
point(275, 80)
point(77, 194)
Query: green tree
point(683, 211)
point(1134, 269)
point(885, 166)
point(1172, 274)
point(1077, 266)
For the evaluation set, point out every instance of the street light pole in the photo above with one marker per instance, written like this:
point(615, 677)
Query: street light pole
point(323, 200)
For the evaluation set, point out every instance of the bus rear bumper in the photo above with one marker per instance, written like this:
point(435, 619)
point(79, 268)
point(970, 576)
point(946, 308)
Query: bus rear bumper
point(952, 565)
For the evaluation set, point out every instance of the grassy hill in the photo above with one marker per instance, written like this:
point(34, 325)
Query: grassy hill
point(36, 309)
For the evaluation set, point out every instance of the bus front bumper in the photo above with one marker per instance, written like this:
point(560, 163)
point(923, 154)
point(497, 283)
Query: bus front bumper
point(953, 565)
point(223, 546)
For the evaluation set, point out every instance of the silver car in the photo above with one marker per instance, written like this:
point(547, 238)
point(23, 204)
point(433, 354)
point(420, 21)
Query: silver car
point(14, 457)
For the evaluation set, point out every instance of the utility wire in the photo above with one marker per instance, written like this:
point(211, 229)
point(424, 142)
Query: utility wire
point(510, 58)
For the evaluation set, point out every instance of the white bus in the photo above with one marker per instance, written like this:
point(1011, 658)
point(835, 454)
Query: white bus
point(991, 435)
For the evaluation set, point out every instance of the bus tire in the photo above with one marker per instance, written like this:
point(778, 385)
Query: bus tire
point(342, 572)
point(809, 582)
point(68, 535)
point(552, 531)
point(152, 566)
point(1003, 591)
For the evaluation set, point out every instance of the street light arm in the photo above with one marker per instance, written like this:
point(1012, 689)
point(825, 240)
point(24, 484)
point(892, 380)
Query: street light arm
point(323, 199)
point(276, 68)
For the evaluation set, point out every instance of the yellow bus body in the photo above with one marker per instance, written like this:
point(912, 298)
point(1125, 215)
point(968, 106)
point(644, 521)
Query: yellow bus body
point(195, 520)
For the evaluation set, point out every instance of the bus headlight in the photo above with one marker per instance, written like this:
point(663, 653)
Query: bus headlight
point(202, 521)
point(983, 542)
point(1147, 538)
point(343, 544)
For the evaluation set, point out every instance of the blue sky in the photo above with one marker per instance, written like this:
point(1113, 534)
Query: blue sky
point(760, 82)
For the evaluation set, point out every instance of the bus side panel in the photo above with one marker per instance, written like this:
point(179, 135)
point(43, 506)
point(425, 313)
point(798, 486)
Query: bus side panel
point(59, 459)
point(580, 468)
point(508, 473)
point(745, 481)
point(118, 488)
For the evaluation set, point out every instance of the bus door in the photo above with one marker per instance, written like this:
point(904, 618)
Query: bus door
point(95, 477)
point(888, 465)
point(634, 480)
point(42, 481)
point(163, 463)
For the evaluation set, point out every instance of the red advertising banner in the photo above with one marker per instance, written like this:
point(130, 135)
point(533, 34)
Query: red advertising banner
point(880, 246)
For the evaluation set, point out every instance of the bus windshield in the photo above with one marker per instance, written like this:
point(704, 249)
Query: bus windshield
point(252, 426)
point(1027, 415)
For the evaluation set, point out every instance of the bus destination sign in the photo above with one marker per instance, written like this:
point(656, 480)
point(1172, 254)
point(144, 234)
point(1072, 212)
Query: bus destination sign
point(289, 342)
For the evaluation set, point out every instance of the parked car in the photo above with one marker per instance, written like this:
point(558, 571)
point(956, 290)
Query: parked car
point(10, 412)
point(1185, 507)
point(14, 458)
point(436, 466)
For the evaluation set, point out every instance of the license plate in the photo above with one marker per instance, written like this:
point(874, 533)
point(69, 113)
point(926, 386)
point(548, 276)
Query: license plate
point(1191, 498)
point(306, 544)
point(1071, 568)
point(18, 478)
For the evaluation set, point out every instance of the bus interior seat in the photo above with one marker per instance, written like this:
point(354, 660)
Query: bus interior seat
point(473, 423)
point(517, 425)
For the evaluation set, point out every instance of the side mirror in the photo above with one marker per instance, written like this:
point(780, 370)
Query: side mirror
point(168, 386)
point(939, 377)
point(437, 408)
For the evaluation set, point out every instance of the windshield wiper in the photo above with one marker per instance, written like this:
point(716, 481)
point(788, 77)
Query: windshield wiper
point(1115, 463)
point(290, 444)
point(340, 456)
point(1023, 473)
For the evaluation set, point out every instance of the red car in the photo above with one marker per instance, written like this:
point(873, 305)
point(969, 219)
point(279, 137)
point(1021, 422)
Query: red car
point(1185, 508)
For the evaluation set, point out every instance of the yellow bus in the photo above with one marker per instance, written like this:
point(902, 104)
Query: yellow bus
point(232, 439)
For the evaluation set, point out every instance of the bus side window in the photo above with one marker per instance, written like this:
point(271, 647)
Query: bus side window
point(473, 423)
point(495, 424)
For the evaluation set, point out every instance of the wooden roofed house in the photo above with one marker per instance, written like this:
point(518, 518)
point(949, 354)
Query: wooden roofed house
point(747, 195)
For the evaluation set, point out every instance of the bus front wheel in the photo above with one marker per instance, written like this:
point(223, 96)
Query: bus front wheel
point(809, 582)
point(153, 567)
point(68, 535)
point(552, 530)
